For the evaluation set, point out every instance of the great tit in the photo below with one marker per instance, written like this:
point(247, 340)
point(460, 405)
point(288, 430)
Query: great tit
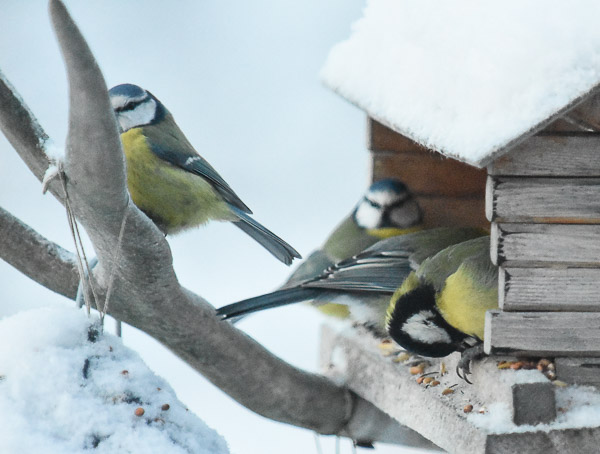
point(386, 209)
point(169, 181)
point(440, 308)
point(364, 283)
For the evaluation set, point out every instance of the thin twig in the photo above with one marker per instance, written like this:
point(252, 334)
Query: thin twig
point(79, 253)
point(114, 266)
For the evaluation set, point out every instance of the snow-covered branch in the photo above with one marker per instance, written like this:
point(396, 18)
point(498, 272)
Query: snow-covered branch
point(146, 292)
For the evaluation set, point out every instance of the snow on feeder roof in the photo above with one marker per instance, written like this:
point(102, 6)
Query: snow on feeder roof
point(468, 78)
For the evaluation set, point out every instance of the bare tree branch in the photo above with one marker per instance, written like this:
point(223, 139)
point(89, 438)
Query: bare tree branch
point(146, 292)
point(33, 255)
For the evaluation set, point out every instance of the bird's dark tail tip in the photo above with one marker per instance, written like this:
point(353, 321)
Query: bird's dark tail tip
point(268, 301)
point(267, 239)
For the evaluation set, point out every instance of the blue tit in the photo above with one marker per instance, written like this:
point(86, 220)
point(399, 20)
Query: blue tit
point(364, 283)
point(386, 209)
point(170, 182)
point(440, 308)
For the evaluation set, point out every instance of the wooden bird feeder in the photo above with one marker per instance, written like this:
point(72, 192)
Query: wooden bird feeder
point(539, 194)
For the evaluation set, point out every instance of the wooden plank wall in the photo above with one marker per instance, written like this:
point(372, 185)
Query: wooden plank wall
point(450, 192)
point(543, 199)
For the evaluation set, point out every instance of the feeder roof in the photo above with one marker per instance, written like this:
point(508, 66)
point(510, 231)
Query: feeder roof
point(468, 78)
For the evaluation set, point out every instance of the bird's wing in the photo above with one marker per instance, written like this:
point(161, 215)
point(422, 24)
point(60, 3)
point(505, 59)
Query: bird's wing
point(166, 137)
point(381, 275)
point(480, 267)
point(384, 266)
point(474, 253)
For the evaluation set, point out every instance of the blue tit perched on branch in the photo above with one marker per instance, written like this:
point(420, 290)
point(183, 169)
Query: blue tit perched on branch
point(440, 308)
point(170, 182)
point(386, 209)
point(364, 283)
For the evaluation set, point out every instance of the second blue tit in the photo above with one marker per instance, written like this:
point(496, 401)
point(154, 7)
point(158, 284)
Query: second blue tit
point(386, 209)
point(170, 182)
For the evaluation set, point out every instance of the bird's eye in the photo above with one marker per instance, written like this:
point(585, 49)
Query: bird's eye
point(128, 106)
point(372, 203)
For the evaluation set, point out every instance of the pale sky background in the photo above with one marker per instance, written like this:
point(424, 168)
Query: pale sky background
point(241, 79)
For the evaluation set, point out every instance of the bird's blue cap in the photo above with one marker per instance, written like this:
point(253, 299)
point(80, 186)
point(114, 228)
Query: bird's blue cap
point(388, 184)
point(127, 90)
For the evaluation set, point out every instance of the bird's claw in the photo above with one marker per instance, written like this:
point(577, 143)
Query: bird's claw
point(471, 353)
point(465, 369)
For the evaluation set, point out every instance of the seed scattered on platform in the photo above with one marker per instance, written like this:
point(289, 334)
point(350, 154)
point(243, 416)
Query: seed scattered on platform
point(415, 370)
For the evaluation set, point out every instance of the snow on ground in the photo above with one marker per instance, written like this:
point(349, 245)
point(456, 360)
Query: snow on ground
point(466, 77)
point(61, 393)
point(578, 407)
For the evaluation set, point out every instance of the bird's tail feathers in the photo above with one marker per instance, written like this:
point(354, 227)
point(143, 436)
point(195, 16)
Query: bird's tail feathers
point(268, 301)
point(271, 242)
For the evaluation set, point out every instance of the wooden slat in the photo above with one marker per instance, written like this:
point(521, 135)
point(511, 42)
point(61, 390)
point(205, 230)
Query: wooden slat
point(549, 289)
point(552, 155)
point(581, 371)
point(428, 173)
point(534, 403)
point(543, 333)
point(544, 244)
point(555, 200)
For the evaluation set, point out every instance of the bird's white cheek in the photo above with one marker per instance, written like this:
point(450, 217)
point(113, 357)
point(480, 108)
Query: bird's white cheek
point(141, 115)
point(367, 216)
point(420, 331)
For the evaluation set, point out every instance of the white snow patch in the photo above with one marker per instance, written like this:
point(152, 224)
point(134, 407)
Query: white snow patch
point(466, 77)
point(526, 376)
point(48, 405)
point(55, 153)
point(578, 407)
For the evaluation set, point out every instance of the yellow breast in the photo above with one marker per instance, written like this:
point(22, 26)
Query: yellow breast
point(173, 198)
point(463, 303)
